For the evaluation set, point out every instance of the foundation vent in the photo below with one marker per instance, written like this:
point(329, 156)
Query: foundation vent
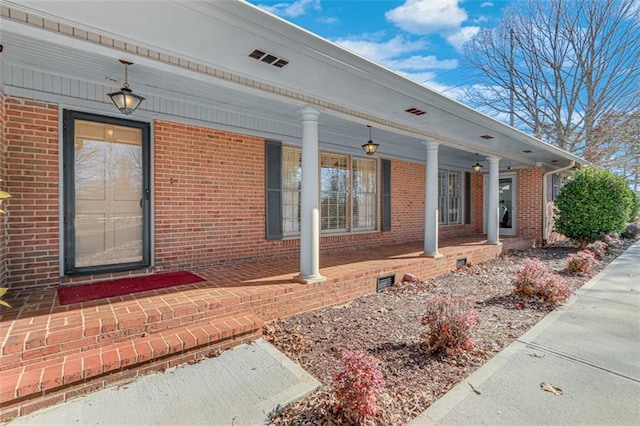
point(385, 282)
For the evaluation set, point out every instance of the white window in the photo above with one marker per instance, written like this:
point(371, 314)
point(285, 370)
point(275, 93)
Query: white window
point(334, 191)
point(365, 194)
point(348, 192)
point(449, 197)
point(291, 179)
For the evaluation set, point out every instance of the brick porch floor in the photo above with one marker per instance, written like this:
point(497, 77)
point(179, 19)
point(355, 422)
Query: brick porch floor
point(51, 352)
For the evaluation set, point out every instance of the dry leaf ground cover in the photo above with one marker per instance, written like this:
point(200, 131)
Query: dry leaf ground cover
point(388, 326)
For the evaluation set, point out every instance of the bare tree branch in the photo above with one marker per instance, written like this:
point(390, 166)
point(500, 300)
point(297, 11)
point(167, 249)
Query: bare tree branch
point(568, 71)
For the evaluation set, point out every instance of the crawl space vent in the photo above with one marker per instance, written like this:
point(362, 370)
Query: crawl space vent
point(268, 58)
point(385, 282)
point(461, 262)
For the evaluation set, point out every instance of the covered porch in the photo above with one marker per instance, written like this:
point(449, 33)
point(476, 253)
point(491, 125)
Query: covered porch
point(51, 352)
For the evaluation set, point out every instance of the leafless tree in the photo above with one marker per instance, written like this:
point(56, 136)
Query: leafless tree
point(562, 70)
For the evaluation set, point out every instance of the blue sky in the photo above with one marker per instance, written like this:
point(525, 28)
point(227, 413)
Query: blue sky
point(420, 39)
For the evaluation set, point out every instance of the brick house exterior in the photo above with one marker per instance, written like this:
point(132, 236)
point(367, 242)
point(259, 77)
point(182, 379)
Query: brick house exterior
point(208, 166)
point(220, 217)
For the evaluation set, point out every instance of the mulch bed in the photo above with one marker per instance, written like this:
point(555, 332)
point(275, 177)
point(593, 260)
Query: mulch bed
point(388, 326)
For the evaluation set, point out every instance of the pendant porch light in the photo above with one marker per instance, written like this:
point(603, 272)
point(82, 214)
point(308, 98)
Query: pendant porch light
point(477, 167)
point(370, 148)
point(124, 99)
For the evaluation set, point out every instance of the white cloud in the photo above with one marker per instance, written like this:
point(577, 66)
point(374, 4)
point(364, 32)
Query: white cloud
point(428, 79)
point(461, 36)
point(427, 16)
point(421, 63)
point(329, 20)
point(379, 51)
point(419, 77)
point(292, 10)
point(486, 4)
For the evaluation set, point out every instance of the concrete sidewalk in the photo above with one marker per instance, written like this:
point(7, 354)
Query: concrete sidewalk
point(590, 349)
point(240, 387)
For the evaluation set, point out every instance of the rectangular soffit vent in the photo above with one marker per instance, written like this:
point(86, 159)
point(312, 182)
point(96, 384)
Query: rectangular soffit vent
point(415, 111)
point(487, 137)
point(268, 58)
point(385, 282)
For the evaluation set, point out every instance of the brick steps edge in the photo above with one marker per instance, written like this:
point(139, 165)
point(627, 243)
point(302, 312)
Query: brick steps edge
point(35, 386)
point(20, 350)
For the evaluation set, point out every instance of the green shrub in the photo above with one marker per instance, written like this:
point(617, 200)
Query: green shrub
point(3, 291)
point(593, 202)
point(634, 208)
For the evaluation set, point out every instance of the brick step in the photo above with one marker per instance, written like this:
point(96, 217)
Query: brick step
point(35, 386)
point(76, 330)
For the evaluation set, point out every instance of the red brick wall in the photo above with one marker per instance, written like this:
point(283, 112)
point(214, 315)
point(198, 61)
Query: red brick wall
point(31, 142)
point(3, 227)
point(407, 202)
point(208, 199)
point(530, 203)
point(477, 201)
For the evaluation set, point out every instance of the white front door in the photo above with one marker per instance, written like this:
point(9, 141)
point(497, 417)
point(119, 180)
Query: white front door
point(508, 202)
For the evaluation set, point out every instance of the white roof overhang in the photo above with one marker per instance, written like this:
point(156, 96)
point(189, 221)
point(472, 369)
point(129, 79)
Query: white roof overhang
point(192, 60)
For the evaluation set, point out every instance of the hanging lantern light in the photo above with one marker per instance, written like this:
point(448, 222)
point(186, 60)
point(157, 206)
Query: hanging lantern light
point(124, 99)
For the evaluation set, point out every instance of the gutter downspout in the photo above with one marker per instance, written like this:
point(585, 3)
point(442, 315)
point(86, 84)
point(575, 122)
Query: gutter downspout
point(544, 198)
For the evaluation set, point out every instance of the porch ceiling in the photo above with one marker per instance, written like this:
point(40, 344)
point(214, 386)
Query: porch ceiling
point(349, 90)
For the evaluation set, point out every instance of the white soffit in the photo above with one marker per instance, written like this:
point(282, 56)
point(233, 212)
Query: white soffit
point(222, 34)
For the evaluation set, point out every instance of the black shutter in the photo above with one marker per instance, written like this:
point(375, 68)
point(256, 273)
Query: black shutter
point(273, 183)
point(386, 195)
point(467, 198)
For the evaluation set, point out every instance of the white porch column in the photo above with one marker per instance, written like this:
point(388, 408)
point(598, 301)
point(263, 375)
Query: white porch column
point(492, 204)
point(310, 215)
point(431, 201)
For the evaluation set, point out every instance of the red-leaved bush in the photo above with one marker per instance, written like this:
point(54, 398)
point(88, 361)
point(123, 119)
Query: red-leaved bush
point(358, 385)
point(598, 248)
point(535, 280)
point(581, 262)
point(611, 241)
point(449, 323)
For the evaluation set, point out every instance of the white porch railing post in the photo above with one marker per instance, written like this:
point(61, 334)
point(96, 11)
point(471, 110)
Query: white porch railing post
point(431, 201)
point(309, 218)
point(493, 202)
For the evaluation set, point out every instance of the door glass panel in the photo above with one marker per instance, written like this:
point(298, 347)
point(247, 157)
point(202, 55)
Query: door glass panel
point(108, 194)
point(506, 203)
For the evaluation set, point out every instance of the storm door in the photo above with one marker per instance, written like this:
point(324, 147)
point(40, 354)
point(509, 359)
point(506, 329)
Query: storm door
point(507, 204)
point(106, 190)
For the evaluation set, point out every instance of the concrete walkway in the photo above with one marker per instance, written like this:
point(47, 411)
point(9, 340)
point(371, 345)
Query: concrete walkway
point(240, 387)
point(590, 349)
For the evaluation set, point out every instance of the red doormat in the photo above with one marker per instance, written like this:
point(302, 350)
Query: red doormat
point(122, 286)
